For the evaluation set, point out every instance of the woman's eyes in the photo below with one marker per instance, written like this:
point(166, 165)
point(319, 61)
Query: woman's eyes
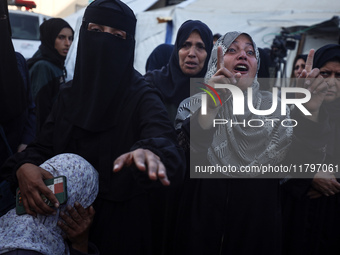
point(95, 29)
point(248, 52)
point(298, 67)
point(324, 74)
point(63, 37)
point(119, 35)
point(186, 45)
point(114, 32)
point(198, 46)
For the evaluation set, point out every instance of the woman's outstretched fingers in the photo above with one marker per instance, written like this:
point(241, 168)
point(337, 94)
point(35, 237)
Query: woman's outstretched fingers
point(143, 159)
point(162, 175)
point(155, 167)
point(123, 160)
point(140, 157)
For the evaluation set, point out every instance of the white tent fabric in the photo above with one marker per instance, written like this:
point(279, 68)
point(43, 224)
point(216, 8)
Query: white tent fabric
point(261, 19)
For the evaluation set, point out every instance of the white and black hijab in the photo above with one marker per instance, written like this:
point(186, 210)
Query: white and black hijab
point(243, 145)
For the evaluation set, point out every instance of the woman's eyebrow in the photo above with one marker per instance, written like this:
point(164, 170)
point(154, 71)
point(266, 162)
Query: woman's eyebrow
point(248, 44)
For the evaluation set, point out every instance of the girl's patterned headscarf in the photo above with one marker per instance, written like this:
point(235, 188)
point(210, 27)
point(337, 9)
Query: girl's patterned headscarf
point(242, 145)
point(42, 234)
point(225, 42)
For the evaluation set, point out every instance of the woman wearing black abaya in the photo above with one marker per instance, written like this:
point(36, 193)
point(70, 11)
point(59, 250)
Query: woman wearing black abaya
point(12, 100)
point(189, 59)
point(17, 120)
point(46, 67)
point(237, 211)
point(109, 112)
point(311, 208)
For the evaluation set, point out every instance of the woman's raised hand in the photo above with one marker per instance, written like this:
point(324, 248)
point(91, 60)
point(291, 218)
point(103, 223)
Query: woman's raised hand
point(312, 80)
point(222, 76)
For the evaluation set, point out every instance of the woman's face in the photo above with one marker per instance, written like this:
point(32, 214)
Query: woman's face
point(299, 66)
point(63, 41)
point(331, 73)
point(192, 55)
point(241, 58)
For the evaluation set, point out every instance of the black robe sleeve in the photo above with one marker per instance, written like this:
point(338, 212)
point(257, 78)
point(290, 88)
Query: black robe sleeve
point(157, 134)
point(308, 147)
point(36, 153)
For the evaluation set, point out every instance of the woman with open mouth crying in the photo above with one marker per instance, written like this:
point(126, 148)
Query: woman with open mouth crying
point(238, 212)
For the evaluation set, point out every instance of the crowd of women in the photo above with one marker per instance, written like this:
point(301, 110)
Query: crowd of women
point(128, 145)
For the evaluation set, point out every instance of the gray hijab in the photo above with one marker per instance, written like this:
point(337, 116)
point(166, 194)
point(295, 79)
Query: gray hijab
point(242, 145)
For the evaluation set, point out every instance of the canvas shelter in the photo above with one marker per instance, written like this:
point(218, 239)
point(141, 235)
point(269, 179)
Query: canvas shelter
point(316, 22)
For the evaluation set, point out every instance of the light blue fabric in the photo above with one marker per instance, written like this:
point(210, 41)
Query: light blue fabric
point(42, 233)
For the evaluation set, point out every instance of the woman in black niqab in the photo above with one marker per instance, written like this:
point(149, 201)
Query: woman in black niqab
point(103, 84)
point(12, 90)
point(110, 112)
point(170, 80)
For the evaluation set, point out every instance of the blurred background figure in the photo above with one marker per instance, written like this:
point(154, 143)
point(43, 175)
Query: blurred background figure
point(265, 70)
point(159, 57)
point(298, 65)
point(46, 67)
point(216, 37)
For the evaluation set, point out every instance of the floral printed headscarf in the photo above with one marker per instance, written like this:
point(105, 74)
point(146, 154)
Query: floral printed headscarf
point(42, 234)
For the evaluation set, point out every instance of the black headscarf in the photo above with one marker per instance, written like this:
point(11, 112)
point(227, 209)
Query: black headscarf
point(49, 31)
point(12, 90)
point(327, 53)
point(104, 77)
point(159, 57)
point(170, 80)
